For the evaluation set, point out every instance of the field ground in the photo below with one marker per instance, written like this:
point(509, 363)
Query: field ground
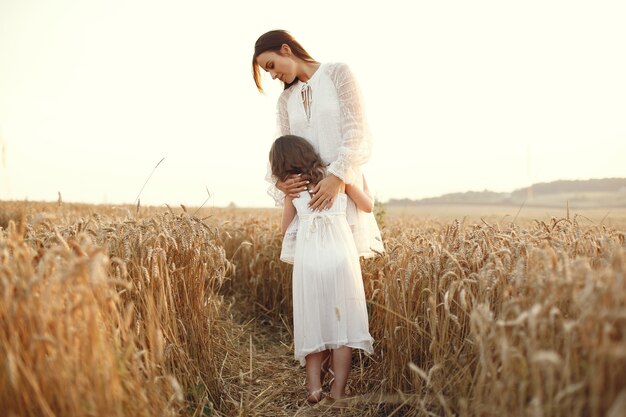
point(119, 311)
point(280, 380)
point(613, 217)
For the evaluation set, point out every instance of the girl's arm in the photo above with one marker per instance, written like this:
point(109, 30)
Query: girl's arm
point(362, 198)
point(289, 212)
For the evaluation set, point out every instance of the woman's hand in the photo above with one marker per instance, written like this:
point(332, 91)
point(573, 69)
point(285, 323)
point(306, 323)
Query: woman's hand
point(293, 185)
point(325, 192)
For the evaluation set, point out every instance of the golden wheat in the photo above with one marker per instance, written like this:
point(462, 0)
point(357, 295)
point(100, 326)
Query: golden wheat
point(106, 311)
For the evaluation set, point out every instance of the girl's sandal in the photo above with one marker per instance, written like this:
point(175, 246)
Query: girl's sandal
point(346, 391)
point(314, 397)
point(333, 402)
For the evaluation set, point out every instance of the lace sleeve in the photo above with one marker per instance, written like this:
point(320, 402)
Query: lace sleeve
point(282, 128)
point(272, 191)
point(356, 142)
point(282, 117)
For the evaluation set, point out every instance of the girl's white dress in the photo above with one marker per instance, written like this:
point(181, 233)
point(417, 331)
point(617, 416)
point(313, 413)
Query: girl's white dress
point(329, 309)
point(328, 112)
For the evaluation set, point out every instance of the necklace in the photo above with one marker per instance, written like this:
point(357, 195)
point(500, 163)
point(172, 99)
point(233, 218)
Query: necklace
point(307, 98)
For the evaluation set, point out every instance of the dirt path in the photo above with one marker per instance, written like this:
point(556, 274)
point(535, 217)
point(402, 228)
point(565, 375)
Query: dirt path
point(270, 377)
point(271, 382)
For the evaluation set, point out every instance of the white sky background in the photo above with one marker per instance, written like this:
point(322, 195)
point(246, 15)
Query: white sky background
point(460, 95)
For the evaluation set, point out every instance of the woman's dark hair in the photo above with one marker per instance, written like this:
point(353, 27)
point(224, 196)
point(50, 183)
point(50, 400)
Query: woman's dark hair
point(292, 154)
point(273, 41)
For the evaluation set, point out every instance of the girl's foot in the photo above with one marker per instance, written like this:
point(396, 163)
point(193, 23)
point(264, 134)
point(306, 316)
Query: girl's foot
point(345, 396)
point(346, 391)
point(314, 396)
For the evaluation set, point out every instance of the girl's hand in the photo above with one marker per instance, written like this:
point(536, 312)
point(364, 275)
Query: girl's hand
point(325, 192)
point(293, 185)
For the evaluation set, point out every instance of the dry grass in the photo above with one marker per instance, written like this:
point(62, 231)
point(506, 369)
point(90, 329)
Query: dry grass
point(476, 319)
point(113, 316)
point(110, 311)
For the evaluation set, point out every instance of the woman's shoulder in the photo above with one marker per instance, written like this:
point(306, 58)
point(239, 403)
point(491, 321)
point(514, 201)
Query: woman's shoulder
point(286, 93)
point(334, 67)
point(338, 71)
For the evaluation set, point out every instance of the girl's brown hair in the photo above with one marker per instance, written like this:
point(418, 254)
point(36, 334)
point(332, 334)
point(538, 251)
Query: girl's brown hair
point(292, 154)
point(273, 41)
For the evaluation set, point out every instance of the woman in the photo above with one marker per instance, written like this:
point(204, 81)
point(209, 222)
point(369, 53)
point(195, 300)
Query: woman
point(321, 103)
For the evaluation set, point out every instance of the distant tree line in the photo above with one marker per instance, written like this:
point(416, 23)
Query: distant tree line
point(573, 186)
point(606, 185)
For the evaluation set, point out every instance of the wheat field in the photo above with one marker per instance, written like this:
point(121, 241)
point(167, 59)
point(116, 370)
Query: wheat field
point(126, 311)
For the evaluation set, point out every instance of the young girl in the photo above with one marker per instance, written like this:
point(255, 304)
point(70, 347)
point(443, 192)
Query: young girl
point(329, 310)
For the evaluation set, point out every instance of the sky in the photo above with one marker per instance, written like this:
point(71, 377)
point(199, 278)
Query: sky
point(460, 95)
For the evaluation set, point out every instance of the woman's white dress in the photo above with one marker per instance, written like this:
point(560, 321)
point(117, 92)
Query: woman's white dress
point(335, 125)
point(329, 309)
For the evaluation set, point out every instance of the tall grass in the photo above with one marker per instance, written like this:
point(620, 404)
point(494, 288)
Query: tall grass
point(110, 312)
point(113, 317)
point(479, 319)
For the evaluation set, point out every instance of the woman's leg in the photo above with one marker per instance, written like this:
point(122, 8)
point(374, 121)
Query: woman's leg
point(342, 361)
point(313, 371)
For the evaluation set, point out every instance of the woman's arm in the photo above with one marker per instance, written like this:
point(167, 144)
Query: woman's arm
point(325, 192)
point(289, 212)
point(293, 185)
point(282, 115)
point(356, 143)
point(362, 198)
point(355, 147)
point(277, 189)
